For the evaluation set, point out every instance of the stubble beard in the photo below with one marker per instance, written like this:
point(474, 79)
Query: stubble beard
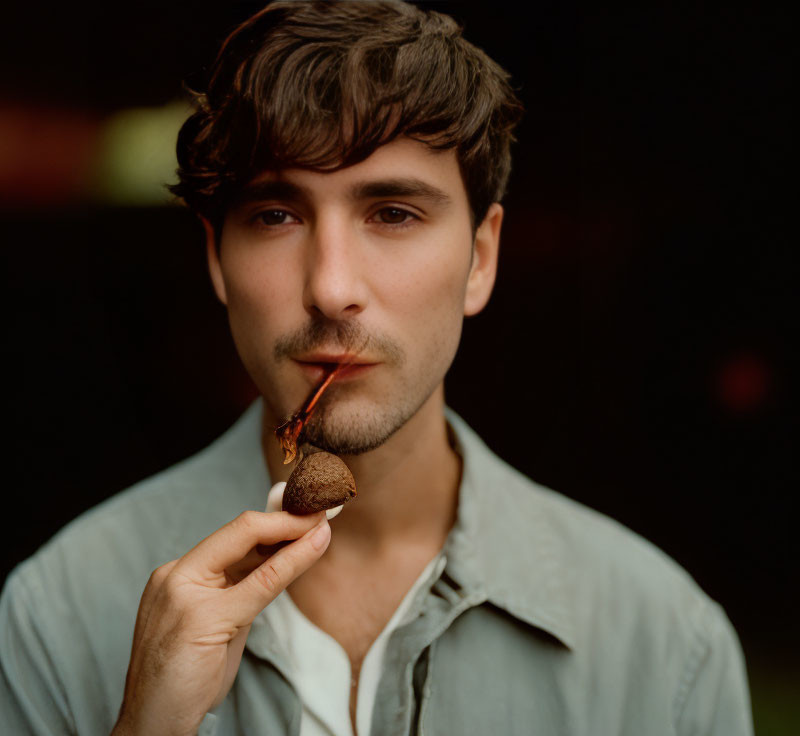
point(343, 430)
point(348, 423)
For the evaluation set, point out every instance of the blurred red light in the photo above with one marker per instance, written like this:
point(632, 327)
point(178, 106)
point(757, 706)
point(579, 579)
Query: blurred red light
point(743, 382)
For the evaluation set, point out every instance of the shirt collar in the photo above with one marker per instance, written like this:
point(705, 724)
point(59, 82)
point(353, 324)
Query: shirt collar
point(503, 543)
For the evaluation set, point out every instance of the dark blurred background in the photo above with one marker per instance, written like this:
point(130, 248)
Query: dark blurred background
point(635, 355)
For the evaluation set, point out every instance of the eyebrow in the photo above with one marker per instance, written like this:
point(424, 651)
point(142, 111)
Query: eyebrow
point(395, 187)
point(270, 189)
point(401, 187)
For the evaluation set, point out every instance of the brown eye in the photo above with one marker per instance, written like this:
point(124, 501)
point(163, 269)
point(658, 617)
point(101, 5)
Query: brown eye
point(393, 215)
point(274, 217)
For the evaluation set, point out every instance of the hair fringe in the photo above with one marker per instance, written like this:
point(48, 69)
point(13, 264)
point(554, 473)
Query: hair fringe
point(322, 85)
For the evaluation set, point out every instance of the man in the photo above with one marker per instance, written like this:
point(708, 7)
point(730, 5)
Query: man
point(347, 161)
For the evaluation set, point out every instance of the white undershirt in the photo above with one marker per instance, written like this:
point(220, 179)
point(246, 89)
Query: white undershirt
point(320, 667)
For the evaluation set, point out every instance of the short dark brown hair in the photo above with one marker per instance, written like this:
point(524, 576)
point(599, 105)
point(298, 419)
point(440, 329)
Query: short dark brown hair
point(321, 85)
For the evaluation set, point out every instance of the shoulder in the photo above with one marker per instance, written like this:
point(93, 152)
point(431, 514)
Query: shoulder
point(67, 613)
point(643, 626)
point(104, 557)
point(153, 521)
point(591, 553)
point(614, 578)
point(639, 631)
point(601, 588)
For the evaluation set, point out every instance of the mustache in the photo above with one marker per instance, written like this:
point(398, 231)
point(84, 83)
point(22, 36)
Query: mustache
point(347, 336)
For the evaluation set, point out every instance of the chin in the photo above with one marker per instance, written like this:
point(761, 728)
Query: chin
point(354, 432)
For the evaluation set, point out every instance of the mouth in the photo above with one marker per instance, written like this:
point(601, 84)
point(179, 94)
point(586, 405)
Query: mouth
point(317, 365)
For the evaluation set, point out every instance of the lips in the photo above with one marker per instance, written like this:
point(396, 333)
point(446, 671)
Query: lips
point(334, 358)
point(316, 365)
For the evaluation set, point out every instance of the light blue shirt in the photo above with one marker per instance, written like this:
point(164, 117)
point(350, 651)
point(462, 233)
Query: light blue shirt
point(548, 618)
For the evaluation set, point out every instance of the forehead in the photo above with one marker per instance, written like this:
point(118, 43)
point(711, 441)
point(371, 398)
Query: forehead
point(403, 167)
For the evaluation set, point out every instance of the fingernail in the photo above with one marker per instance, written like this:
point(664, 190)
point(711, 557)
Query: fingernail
point(320, 536)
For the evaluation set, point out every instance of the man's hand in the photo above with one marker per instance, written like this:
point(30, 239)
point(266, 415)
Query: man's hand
point(196, 612)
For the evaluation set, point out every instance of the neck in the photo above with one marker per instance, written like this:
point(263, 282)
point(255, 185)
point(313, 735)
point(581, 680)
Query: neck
point(407, 487)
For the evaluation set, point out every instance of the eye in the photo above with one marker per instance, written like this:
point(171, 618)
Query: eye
point(274, 217)
point(394, 216)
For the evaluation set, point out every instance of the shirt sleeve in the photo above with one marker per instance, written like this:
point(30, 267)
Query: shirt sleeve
point(714, 699)
point(32, 698)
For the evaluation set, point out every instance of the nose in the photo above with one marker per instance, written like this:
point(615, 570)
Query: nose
point(334, 286)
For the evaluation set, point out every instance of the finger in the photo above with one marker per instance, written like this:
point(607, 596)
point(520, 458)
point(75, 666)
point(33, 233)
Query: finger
point(233, 541)
point(267, 581)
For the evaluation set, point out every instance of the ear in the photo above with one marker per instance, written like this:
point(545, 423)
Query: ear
point(484, 261)
point(214, 266)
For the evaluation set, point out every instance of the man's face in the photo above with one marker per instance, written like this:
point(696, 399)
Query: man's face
point(372, 264)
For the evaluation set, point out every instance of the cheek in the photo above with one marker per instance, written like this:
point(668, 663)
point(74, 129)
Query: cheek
point(256, 286)
point(433, 279)
point(259, 303)
point(423, 295)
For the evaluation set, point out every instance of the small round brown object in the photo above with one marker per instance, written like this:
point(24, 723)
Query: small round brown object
point(319, 482)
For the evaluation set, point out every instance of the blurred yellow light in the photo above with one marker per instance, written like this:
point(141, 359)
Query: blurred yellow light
point(136, 158)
